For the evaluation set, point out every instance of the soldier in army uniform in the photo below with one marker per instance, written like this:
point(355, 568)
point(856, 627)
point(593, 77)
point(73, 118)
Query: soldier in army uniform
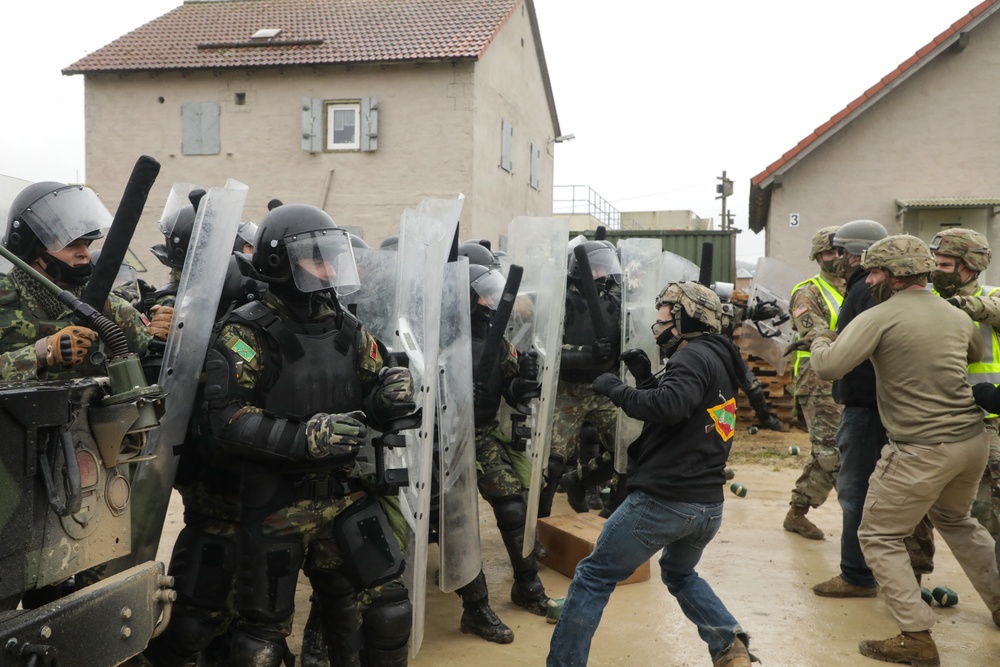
point(960, 256)
point(51, 226)
point(291, 382)
point(814, 306)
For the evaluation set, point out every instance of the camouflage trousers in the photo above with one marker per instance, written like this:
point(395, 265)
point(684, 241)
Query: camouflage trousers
point(502, 471)
point(986, 506)
point(577, 403)
point(822, 416)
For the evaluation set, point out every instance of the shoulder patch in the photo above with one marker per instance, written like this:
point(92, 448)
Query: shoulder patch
point(798, 311)
point(373, 350)
point(724, 418)
point(239, 346)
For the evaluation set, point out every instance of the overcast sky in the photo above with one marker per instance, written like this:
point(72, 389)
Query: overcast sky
point(662, 95)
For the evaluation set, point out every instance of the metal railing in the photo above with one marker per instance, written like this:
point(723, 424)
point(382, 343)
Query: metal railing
point(582, 200)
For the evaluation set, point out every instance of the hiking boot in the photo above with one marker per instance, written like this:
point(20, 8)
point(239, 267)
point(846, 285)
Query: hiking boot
point(796, 522)
point(530, 595)
point(576, 494)
point(594, 501)
point(482, 620)
point(736, 656)
point(910, 648)
point(838, 588)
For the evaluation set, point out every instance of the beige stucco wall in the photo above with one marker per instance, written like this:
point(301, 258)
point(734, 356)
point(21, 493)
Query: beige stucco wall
point(438, 135)
point(935, 135)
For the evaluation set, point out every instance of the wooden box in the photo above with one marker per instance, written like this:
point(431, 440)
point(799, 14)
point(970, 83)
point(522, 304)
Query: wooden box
point(569, 538)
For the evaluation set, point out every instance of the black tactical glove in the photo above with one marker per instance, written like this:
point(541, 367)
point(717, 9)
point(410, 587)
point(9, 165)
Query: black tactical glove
point(773, 423)
point(335, 435)
point(609, 384)
point(393, 397)
point(527, 365)
point(638, 364)
point(765, 310)
point(522, 391)
point(601, 349)
point(800, 345)
point(987, 396)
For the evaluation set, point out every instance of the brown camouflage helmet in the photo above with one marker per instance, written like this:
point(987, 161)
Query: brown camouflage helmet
point(698, 302)
point(901, 255)
point(967, 245)
point(822, 241)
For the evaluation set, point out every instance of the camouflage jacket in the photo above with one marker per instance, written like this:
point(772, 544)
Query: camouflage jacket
point(810, 315)
point(24, 319)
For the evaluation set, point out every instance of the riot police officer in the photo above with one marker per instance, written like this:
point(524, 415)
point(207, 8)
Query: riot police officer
point(292, 381)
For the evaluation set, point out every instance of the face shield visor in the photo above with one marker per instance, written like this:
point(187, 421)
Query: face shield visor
point(62, 216)
point(604, 264)
point(489, 288)
point(176, 200)
point(323, 260)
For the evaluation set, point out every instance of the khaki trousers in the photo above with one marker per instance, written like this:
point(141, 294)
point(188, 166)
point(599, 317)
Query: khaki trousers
point(940, 481)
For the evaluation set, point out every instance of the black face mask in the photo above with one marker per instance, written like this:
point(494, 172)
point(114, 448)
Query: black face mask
point(947, 283)
point(668, 340)
point(61, 272)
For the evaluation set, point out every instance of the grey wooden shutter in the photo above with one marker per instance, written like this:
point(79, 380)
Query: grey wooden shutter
point(506, 144)
point(200, 128)
point(312, 124)
point(536, 154)
point(369, 123)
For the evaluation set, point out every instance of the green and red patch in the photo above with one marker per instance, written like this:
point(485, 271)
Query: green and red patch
point(724, 417)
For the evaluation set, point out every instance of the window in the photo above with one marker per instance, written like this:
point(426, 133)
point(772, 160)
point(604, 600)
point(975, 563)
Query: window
point(342, 131)
point(200, 128)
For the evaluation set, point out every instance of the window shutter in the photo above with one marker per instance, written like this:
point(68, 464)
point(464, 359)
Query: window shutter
point(200, 128)
point(535, 155)
point(506, 142)
point(312, 124)
point(369, 123)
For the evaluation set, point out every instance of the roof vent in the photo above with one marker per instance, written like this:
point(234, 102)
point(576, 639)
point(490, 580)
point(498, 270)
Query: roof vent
point(266, 33)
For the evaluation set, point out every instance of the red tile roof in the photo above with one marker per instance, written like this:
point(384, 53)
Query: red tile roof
point(216, 34)
point(760, 192)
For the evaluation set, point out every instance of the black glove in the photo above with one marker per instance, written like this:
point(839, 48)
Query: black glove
point(765, 310)
point(773, 423)
point(610, 385)
point(987, 396)
point(601, 349)
point(638, 364)
point(527, 365)
point(522, 390)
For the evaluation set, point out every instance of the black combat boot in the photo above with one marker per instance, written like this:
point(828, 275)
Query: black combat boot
point(527, 591)
point(478, 618)
point(553, 473)
point(576, 494)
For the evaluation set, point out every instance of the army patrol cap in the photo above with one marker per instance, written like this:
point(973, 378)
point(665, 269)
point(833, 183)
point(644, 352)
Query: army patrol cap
point(967, 245)
point(858, 235)
point(822, 241)
point(901, 255)
point(698, 302)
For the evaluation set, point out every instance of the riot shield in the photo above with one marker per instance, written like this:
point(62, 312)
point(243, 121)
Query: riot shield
point(375, 302)
point(539, 245)
point(458, 524)
point(190, 333)
point(772, 281)
point(674, 268)
point(424, 243)
point(641, 283)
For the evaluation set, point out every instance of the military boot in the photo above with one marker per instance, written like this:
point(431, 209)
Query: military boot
point(736, 656)
point(910, 648)
point(594, 498)
point(527, 591)
point(478, 618)
point(576, 494)
point(796, 522)
point(838, 588)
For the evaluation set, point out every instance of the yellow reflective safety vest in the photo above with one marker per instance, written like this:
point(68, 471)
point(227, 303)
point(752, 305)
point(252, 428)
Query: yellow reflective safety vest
point(987, 369)
point(833, 299)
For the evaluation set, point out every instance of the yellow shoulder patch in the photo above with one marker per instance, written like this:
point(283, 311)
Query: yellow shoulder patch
point(240, 347)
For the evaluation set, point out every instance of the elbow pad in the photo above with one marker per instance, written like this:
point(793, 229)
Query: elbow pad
point(261, 436)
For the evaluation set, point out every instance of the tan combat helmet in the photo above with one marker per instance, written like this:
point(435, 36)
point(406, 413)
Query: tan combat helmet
point(698, 302)
point(967, 245)
point(901, 256)
point(822, 241)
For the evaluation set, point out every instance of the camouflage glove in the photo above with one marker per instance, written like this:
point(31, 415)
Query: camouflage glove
point(638, 364)
point(159, 325)
point(601, 349)
point(333, 435)
point(67, 347)
point(394, 395)
point(527, 365)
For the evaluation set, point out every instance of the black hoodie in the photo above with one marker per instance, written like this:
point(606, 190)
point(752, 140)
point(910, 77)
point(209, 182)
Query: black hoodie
point(688, 425)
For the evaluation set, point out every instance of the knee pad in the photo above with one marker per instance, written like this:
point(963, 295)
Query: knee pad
point(204, 568)
point(366, 542)
point(510, 512)
point(254, 647)
point(269, 573)
point(388, 620)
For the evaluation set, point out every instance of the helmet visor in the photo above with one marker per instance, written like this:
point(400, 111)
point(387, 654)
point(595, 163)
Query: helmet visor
point(322, 260)
point(176, 200)
point(604, 263)
point(489, 288)
point(62, 216)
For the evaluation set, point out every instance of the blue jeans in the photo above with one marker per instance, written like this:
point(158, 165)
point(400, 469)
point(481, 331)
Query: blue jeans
point(860, 437)
point(639, 528)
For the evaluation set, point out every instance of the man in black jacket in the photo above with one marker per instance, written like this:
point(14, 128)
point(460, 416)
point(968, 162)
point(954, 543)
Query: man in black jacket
point(675, 480)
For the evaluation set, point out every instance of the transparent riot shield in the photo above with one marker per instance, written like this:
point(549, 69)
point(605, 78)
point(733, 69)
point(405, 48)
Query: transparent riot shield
point(375, 302)
point(424, 243)
point(458, 525)
point(772, 282)
point(641, 283)
point(539, 245)
point(674, 268)
point(190, 334)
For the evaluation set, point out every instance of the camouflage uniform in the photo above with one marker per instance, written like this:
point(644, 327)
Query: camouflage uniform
point(814, 396)
point(29, 312)
point(498, 466)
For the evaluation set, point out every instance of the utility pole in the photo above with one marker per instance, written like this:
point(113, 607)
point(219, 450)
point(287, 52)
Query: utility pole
point(724, 189)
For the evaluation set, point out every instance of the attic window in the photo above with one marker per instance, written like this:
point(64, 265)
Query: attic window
point(266, 33)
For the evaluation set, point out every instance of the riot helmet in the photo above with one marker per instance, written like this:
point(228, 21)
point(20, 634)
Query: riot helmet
point(302, 244)
point(358, 243)
point(48, 216)
point(177, 225)
point(246, 234)
point(478, 254)
point(603, 261)
point(696, 310)
point(390, 243)
point(486, 286)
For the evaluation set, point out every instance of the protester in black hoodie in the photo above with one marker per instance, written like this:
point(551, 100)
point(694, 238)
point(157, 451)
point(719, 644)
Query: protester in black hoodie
point(675, 480)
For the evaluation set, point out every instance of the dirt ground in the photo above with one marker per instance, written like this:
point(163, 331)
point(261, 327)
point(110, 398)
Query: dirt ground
point(763, 574)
